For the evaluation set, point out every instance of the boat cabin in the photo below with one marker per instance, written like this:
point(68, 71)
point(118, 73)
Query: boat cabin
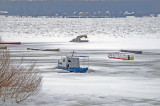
point(80, 38)
point(69, 62)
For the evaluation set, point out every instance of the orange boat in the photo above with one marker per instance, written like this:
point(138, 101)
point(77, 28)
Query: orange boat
point(121, 56)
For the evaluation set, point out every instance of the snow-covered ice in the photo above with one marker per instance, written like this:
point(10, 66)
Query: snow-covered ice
point(108, 82)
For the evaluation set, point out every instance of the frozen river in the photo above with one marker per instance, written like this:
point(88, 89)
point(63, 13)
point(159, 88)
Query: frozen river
point(108, 82)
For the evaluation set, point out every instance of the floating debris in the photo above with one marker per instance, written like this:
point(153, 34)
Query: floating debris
point(131, 51)
point(3, 47)
point(44, 49)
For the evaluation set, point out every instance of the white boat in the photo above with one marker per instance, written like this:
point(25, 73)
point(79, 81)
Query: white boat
point(72, 63)
point(80, 38)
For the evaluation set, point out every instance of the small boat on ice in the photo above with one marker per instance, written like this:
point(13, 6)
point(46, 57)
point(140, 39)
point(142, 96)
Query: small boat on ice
point(51, 49)
point(121, 56)
point(11, 43)
point(80, 38)
point(3, 47)
point(132, 51)
point(44, 49)
point(72, 63)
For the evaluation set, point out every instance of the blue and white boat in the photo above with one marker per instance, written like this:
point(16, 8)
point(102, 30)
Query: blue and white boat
point(72, 63)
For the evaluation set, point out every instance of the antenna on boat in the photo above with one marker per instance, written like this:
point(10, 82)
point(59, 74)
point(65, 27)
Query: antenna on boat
point(61, 54)
point(73, 53)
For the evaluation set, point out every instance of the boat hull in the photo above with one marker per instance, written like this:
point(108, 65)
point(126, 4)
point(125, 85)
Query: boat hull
point(122, 58)
point(79, 41)
point(11, 43)
point(44, 49)
point(74, 69)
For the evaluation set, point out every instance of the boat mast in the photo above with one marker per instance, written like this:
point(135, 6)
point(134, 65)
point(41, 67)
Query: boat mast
point(73, 53)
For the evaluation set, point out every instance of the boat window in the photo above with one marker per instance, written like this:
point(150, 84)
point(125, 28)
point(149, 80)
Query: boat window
point(63, 60)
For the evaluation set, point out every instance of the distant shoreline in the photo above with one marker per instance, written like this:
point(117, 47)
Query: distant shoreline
point(74, 16)
point(137, 8)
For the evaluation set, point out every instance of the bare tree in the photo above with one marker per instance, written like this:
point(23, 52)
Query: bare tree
point(17, 82)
